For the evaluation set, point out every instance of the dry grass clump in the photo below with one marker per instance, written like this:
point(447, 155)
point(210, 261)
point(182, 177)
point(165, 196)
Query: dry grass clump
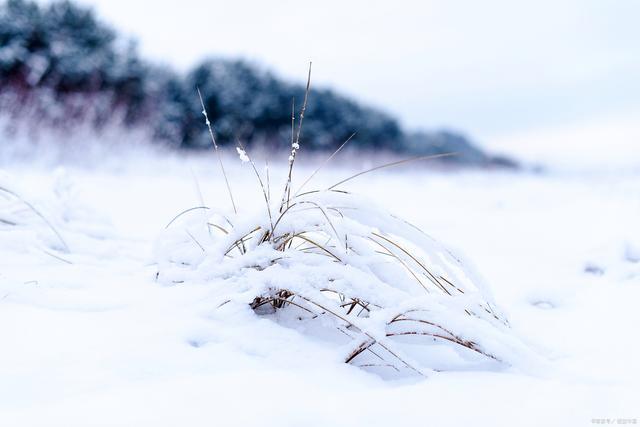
point(330, 258)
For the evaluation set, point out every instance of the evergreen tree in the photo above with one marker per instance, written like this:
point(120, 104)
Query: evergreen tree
point(63, 49)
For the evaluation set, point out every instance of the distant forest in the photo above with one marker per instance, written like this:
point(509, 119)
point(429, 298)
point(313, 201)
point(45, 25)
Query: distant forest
point(59, 63)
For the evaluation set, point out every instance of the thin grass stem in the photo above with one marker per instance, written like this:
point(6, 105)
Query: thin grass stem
point(215, 147)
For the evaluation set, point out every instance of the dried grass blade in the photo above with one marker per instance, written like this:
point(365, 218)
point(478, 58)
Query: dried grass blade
point(37, 212)
point(392, 164)
point(215, 147)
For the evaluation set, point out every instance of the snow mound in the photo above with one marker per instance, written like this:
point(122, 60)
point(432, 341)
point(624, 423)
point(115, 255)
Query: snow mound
point(344, 271)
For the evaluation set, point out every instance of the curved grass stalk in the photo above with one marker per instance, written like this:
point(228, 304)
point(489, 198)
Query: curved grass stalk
point(210, 224)
point(308, 240)
point(401, 261)
point(324, 214)
point(384, 346)
point(185, 212)
point(430, 275)
point(392, 164)
point(240, 242)
point(466, 344)
point(40, 215)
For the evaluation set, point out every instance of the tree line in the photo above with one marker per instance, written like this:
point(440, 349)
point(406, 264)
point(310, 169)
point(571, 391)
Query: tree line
point(63, 50)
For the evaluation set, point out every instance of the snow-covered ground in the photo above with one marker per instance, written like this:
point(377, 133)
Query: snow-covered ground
point(88, 337)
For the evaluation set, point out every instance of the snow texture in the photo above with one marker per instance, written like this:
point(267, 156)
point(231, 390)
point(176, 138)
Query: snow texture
point(90, 336)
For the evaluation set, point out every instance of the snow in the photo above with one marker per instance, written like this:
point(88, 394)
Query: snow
point(90, 337)
point(242, 155)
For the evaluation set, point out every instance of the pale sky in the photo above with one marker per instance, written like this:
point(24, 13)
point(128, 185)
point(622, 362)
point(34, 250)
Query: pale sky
point(490, 68)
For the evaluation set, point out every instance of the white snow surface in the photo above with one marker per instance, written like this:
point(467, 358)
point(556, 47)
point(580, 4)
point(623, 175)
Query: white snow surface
point(89, 337)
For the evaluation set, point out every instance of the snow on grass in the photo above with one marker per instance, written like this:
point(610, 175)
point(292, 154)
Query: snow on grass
point(394, 297)
point(101, 342)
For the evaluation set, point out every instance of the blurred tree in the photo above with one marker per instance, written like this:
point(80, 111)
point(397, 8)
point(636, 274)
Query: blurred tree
point(60, 51)
point(246, 102)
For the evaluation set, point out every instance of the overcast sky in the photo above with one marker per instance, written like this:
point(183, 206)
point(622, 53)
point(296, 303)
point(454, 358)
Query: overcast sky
point(490, 68)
